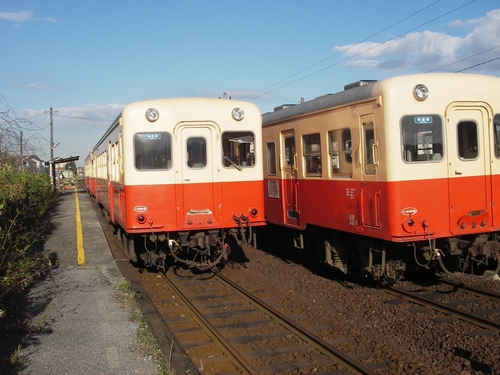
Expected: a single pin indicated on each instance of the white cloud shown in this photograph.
(17, 17)
(24, 16)
(430, 50)
(91, 115)
(75, 129)
(38, 86)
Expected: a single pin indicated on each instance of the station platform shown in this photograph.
(83, 328)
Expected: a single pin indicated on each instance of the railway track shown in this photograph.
(260, 341)
(477, 306)
(277, 350)
(182, 307)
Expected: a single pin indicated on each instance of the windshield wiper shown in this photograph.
(233, 163)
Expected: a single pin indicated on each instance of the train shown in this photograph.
(181, 176)
(389, 177)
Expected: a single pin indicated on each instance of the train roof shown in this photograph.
(366, 89)
(353, 92)
(178, 102)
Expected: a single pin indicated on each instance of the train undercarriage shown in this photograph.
(388, 262)
(201, 250)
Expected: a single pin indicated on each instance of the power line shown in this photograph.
(86, 118)
(338, 53)
(366, 50)
(467, 58)
(473, 66)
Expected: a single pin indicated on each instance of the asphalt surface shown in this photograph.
(84, 328)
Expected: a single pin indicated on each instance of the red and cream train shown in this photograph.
(379, 178)
(384, 175)
(181, 176)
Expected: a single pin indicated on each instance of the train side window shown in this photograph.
(238, 149)
(312, 154)
(340, 151)
(271, 158)
(467, 140)
(153, 150)
(422, 138)
(496, 136)
(196, 152)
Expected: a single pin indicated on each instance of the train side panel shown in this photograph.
(396, 172)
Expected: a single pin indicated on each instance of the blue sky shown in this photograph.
(87, 59)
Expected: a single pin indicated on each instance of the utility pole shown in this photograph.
(52, 165)
(21, 150)
(51, 135)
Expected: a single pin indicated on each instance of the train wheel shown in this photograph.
(129, 247)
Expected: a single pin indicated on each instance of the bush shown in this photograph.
(24, 200)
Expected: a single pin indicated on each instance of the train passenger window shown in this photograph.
(422, 138)
(271, 158)
(196, 152)
(496, 137)
(340, 151)
(467, 140)
(153, 150)
(238, 149)
(312, 154)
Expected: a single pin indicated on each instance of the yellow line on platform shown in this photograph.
(79, 234)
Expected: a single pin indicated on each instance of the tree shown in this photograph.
(11, 128)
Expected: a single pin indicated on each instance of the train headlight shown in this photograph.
(421, 92)
(238, 114)
(152, 114)
(254, 212)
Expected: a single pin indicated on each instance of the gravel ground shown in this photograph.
(411, 343)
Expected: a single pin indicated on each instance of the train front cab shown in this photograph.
(192, 179)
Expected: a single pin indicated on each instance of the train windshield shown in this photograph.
(422, 138)
(153, 150)
(238, 149)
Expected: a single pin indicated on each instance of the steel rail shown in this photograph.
(321, 345)
(232, 354)
(470, 288)
(448, 310)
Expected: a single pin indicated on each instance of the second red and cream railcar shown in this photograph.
(181, 176)
(384, 174)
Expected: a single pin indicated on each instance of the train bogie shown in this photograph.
(180, 176)
(400, 172)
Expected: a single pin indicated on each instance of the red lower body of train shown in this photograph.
(195, 223)
(379, 228)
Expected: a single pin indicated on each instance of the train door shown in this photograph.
(289, 179)
(469, 162)
(197, 177)
(370, 193)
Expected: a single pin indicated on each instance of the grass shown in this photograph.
(41, 322)
(16, 359)
(145, 338)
